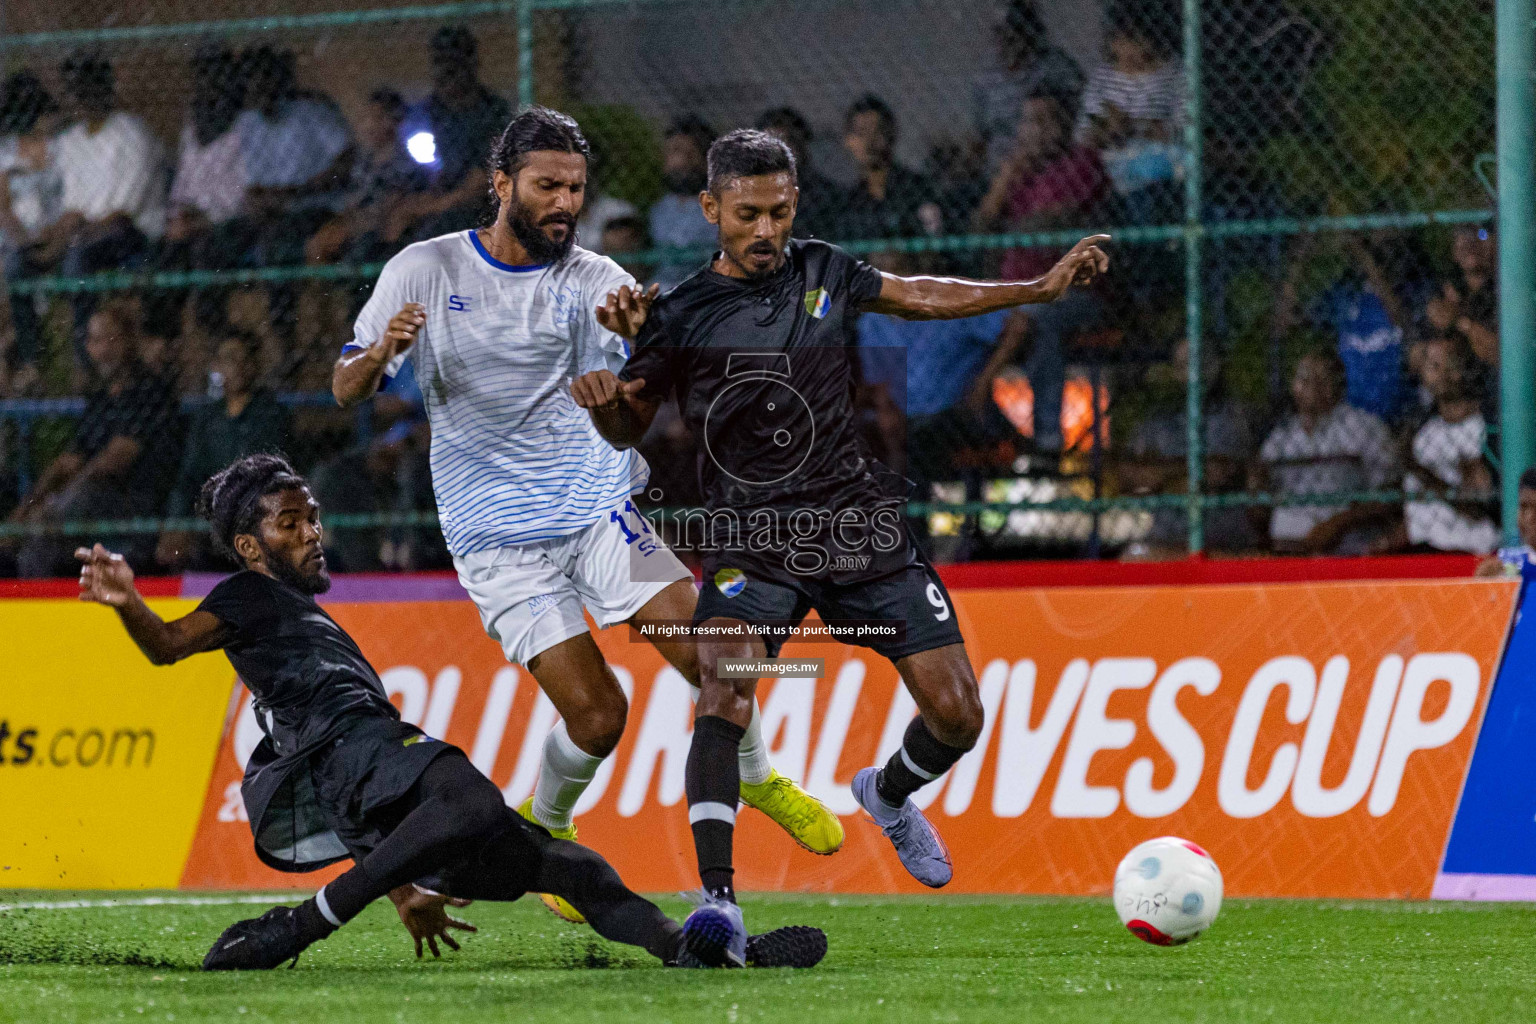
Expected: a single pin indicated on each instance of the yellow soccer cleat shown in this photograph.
(561, 908)
(805, 818)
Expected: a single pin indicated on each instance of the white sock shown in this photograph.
(564, 774)
(752, 756)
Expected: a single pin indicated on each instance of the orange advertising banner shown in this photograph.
(1312, 736)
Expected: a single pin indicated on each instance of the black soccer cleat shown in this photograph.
(258, 944)
(798, 945)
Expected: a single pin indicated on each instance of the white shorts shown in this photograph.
(530, 596)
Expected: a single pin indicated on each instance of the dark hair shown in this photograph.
(695, 128)
(1146, 22)
(787, 118)
(1062, 101)
(231, 499)
(1528, 479)
(269, 65)
(249, 342)
(531, 130)
(88, 76)
(628, 222)
(1460, 349)
(1330, 358)
(23, 101)
(392, 102)
(869, 103)
(747, 153)
(1023, 19)
(454, 41)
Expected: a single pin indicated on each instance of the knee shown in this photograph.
(726, 698)
(478, 811)
(598, 724)
(956, 717)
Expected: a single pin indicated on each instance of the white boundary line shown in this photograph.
(141, 901)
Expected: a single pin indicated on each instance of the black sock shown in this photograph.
(594, 888)
(346, 897)
(713, 784)
(920, 759)
(312, 923)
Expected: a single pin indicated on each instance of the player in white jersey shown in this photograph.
(534, 504)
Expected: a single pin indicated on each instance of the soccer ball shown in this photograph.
(1167, 891)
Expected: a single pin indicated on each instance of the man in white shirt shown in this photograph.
(208, 191)
(1325, 447)
(1448, 458)
(113, 178)
(534, 504)
(30, 195)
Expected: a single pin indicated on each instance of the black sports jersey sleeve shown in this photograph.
(243, 602)
(860, 281)
(653, 361)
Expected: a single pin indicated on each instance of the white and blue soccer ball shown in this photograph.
(1167, 891)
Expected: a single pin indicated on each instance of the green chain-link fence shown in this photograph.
(1299, 340)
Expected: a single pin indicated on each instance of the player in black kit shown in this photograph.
(338, 774)
(754, 347)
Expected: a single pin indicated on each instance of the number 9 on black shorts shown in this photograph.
(898, 614)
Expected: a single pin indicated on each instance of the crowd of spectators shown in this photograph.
(1392, 360)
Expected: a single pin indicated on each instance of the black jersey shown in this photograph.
(303, 670)
(310, 684)
(762, 372)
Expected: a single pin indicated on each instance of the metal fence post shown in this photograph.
(525, 53)
(1193, 297)
(1517, 247)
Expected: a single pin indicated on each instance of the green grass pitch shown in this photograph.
(891, 959)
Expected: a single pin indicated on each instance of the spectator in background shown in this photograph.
(1326, 446)
(296, 149)
(1132, 114)
(245, 418)
(889, 200)
(938, 374)
(599, 208)
(1047, 182)
(676, 218)
(623, 236)
(1447, 456)
(818, 193)
(1156, 459)
(1029, 65)
(1467, 305)
(208, 191)
(382, 175)
(30, 202)
(464, 118)
(117, 464)
(1367, 311)
(113, 187)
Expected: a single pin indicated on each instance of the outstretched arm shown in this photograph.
(106, 579)
(949, 298)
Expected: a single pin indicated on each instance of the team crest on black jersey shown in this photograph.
(817, 302)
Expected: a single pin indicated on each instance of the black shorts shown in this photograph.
(911, 601)
(371, 766)
(368, 783)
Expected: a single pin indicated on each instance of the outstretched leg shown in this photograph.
(949, 720)
(452, 808)
(591, 885)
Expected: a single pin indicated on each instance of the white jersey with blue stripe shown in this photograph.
(514, 459)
